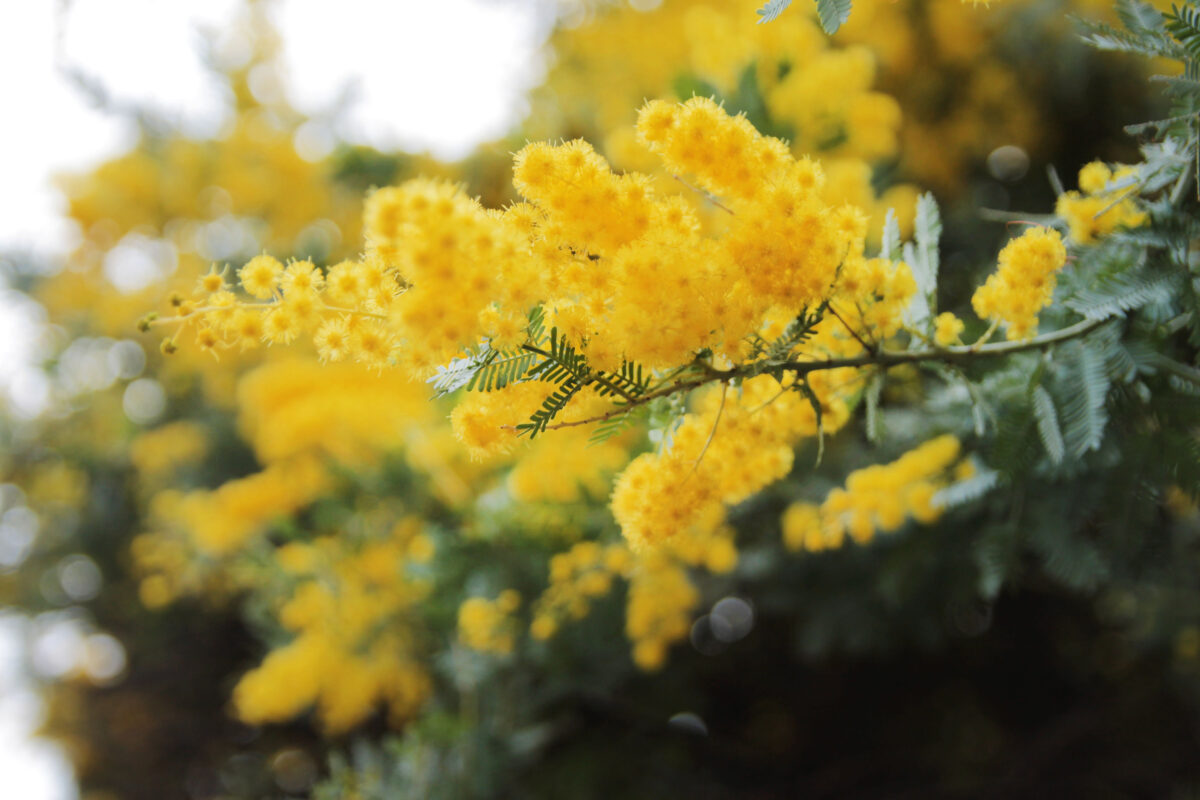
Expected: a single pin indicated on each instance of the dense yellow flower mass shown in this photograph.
(300, 418)
(488, 625)
(1023, 283)
(945, 63)
(661, 595)
(625, 275)
(876, 499)
(606, 255)
(156, 453)
(1096, 210)
(355, 644)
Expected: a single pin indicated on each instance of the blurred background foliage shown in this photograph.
(170, 524)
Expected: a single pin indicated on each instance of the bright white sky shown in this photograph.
(440, 75)
(428, 74)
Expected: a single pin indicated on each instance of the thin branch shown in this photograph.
(949, 354)
(711, 434)
(854, 333)
(709, 196)
(886, 358)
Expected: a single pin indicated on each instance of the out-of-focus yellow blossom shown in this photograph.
(876, 498)
(1180, 504)
(823, 94)
(156, 453)
(351, 611)
(1096, 210)
(488, 625)
(341, 410)
(661, 596)
(1023, 283)
(56, 484)
(564, 468)
(661, 600)
(947, 328)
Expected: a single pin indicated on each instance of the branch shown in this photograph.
(949, 355)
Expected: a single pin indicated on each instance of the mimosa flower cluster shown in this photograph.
(625, 275)
(1023, 283)
(355, 646)
(877, 499)
(488, 625)
(1097, 210)
(661, 596)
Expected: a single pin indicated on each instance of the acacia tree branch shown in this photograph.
(885, 359)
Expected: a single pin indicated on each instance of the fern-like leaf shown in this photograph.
(630, 381)
(798, 331)
(613, 426)
(963, 492)
(922, 259)
(1116, 295)
(550, 409)
(1184, 25)
(560, 363)
(1047, 424)
(1106, 37)
(455, 375)
(508, 366)
(772, 10)
(833, 14)
(1084, 414)
(889, 247)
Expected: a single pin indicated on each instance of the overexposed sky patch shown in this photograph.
(438, 76)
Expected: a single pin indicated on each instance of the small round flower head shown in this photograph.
(260, 276)
(207, 340)
(333, 340)
(301, 277)
(947, 329)
(281, 325)
(345, 284)
(246, 326)
(212, 281)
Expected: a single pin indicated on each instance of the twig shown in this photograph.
(711, 434)
(706, 195)
(846, 325)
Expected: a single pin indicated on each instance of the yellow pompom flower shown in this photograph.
(947, 328)
(260, 276)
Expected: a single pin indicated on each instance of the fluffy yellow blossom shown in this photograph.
(487, 625)
(659, 612)
(292, 407)
(1023, 283)
(486, 421)
(260, 276)
(947, 329)
(1097, 211)
(577, 576)
(156, 452)
(563, 468)
(350, 605)
(875, 498)
(735, 443)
